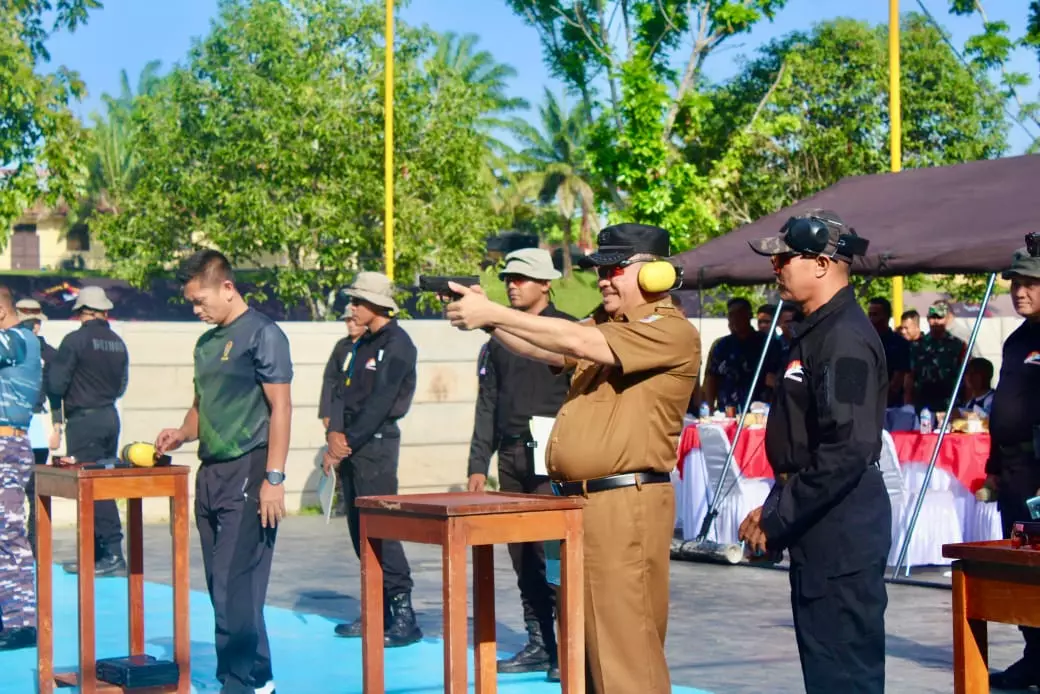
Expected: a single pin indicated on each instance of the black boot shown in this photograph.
(108, 562)
(17, 638)
(534, 657)
(353, 630)
(403, 629)
(1021, 675)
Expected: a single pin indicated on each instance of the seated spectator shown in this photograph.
(978, 385)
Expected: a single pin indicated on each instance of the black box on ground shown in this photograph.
(135, 671)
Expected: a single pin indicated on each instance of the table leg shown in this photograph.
(181, 585)
(484, 618)
(44, 595)
(371, 611)
(453, 556)
(970, 669)
(135, 550)
(85, 580)
(572, 609)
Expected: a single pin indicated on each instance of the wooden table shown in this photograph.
(992, 582)
(481, 520)
(86, 487)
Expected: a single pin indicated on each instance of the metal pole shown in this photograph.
(895, 119)
(943, 427)
(388, 143)
(713, 507)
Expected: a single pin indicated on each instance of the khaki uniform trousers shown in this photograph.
(628, 535)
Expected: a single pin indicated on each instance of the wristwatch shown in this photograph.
(275, 476)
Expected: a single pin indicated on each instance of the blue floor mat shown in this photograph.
(307, 657)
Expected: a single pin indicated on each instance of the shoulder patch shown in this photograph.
(651, 318)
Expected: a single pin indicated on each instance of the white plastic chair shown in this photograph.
(740, 494)
(939, 522)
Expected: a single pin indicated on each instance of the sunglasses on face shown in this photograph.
(609, 272)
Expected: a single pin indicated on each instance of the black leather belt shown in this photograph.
(603, 484)
(1025, 448)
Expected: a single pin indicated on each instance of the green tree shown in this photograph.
(554, 160)
(41, 141)
(992, 48)
(813, 120)
(268, 144)
(632, 48)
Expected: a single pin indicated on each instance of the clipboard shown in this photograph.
(541, 432)
(327, 493)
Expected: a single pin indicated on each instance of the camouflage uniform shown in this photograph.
(17, 589)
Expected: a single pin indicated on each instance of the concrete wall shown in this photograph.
(435, 434)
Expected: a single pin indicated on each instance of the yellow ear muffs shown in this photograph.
(140, 454)
(659, 276)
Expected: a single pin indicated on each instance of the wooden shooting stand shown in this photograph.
(86, 487)
(456, 521)
(992, 582)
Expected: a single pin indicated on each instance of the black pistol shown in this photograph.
(439, 284)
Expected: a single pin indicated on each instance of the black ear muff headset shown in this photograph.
(811, 236)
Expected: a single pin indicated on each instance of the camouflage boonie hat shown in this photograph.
(1023, 265)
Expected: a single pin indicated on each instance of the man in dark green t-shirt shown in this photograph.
(240, 417)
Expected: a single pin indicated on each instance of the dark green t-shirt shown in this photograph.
(232, 362)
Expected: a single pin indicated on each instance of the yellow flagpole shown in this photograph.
(895, 114)
(388, 144)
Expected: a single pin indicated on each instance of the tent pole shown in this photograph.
(388, 144)
(713, 507)
(943, 427)
(895, 112)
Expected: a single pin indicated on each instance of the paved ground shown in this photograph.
(730, 630)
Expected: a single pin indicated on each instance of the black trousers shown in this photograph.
(1020, 482)
(839, 623)
(91, 435)
(537, 596)
(372, 471)
(236, 555)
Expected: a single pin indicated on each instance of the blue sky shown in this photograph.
(127, 34)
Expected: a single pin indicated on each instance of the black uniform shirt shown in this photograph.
(512, 390)
(335, 375)
(381, 387)
(1016, 409)
(91, 368)
(824, 430)
(48, 354)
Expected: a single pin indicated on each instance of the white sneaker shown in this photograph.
(267, 688)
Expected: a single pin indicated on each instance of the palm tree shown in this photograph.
(458, 55)
(554, 163)
(112, 161)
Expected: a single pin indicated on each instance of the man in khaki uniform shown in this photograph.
(635, 364)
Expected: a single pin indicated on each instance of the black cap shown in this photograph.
(622, 241)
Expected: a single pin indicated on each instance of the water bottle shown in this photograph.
(926, 421)
(705, 411)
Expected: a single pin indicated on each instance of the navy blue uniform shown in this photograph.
(829, 506)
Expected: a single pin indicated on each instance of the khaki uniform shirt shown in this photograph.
(628, 418)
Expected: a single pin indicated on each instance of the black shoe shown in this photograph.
(533, 658)
(17, 638)
(108, 565)
(1021, 675)
(403, 629)
(349, 631)
(554, 674)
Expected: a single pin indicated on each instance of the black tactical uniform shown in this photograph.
(89, 374)
(1014, 429)
(379, 393)
(332, 383)
(829, 506)
(512, 390)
